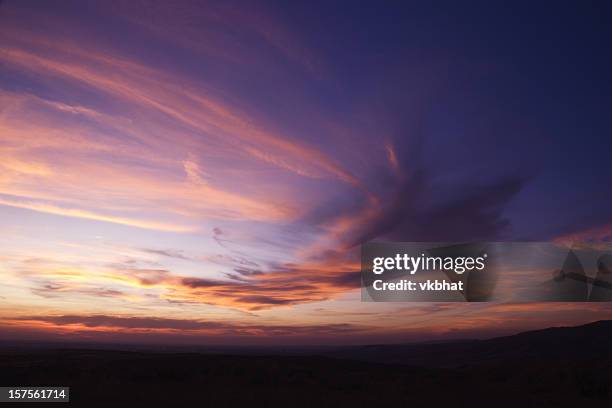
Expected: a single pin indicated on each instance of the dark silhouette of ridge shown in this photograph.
(555, 367)
(575, 343)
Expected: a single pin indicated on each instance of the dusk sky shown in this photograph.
(205, 172)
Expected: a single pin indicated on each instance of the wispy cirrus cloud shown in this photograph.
(202, 159)
(158, 112)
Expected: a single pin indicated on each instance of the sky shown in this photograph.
(205, 172)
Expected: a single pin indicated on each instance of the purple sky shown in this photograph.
(206, 171)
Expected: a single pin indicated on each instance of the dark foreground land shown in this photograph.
(565, 367)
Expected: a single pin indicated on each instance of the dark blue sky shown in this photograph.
(500, 87)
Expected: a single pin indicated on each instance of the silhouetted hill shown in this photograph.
(591, 340)
(561, 367)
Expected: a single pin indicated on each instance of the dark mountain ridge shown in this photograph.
(592, 340)
(556, 367)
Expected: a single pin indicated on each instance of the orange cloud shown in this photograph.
(196, 108)
(202, 124)
(602, 234)
(72, 212)
(82, 326)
